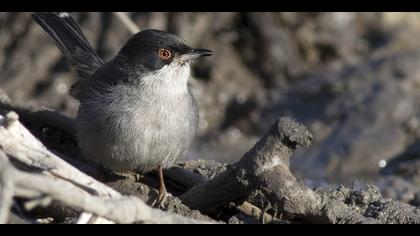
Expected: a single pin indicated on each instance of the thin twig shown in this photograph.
(124, 209)
(127, 22)
(251, 210)
(6, 195)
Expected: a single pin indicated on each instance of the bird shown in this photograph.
(136, 111)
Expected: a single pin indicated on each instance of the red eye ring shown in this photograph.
(164, 54)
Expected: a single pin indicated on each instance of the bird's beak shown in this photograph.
(197, 53)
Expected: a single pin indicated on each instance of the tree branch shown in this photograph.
(127, 22)
(265, 170)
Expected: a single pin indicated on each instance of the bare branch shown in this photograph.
(18, 142)
(127, 22)
(266, 162)
(6, 194)
(124, 209)
(250, 210)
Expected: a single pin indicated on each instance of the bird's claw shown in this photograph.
(160, 201)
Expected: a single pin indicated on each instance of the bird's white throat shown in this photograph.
(171, 79)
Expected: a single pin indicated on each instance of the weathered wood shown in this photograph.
(265, 170)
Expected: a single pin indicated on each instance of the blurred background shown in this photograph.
(352, 78)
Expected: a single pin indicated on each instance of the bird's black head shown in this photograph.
(153, 49)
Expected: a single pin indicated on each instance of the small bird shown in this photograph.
(136, 111)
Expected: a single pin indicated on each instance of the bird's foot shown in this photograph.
(163, 194)
(161, 199)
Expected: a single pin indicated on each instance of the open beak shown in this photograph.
(197, 53)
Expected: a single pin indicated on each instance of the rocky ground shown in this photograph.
(350, 78)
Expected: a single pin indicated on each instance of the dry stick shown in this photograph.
(266, 168)
(256, 169)
(185, 177)
(37, 114)
(18, 142)
(3, 96)
(54, 166)
(6, 194)
(190, 179)
(127, 22)
(124, 209)
(250, 210)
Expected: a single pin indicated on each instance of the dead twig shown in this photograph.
(123, 209)
(265, 168)
(251, 210)
(190, 179)
(6, 194)
(127, 22)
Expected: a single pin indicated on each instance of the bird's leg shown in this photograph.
(163, 194)
(162, 188)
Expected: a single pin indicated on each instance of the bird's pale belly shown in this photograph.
(138, 141)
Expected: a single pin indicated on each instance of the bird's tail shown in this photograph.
(69, 38)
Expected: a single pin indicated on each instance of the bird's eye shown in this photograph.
(164, 54)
